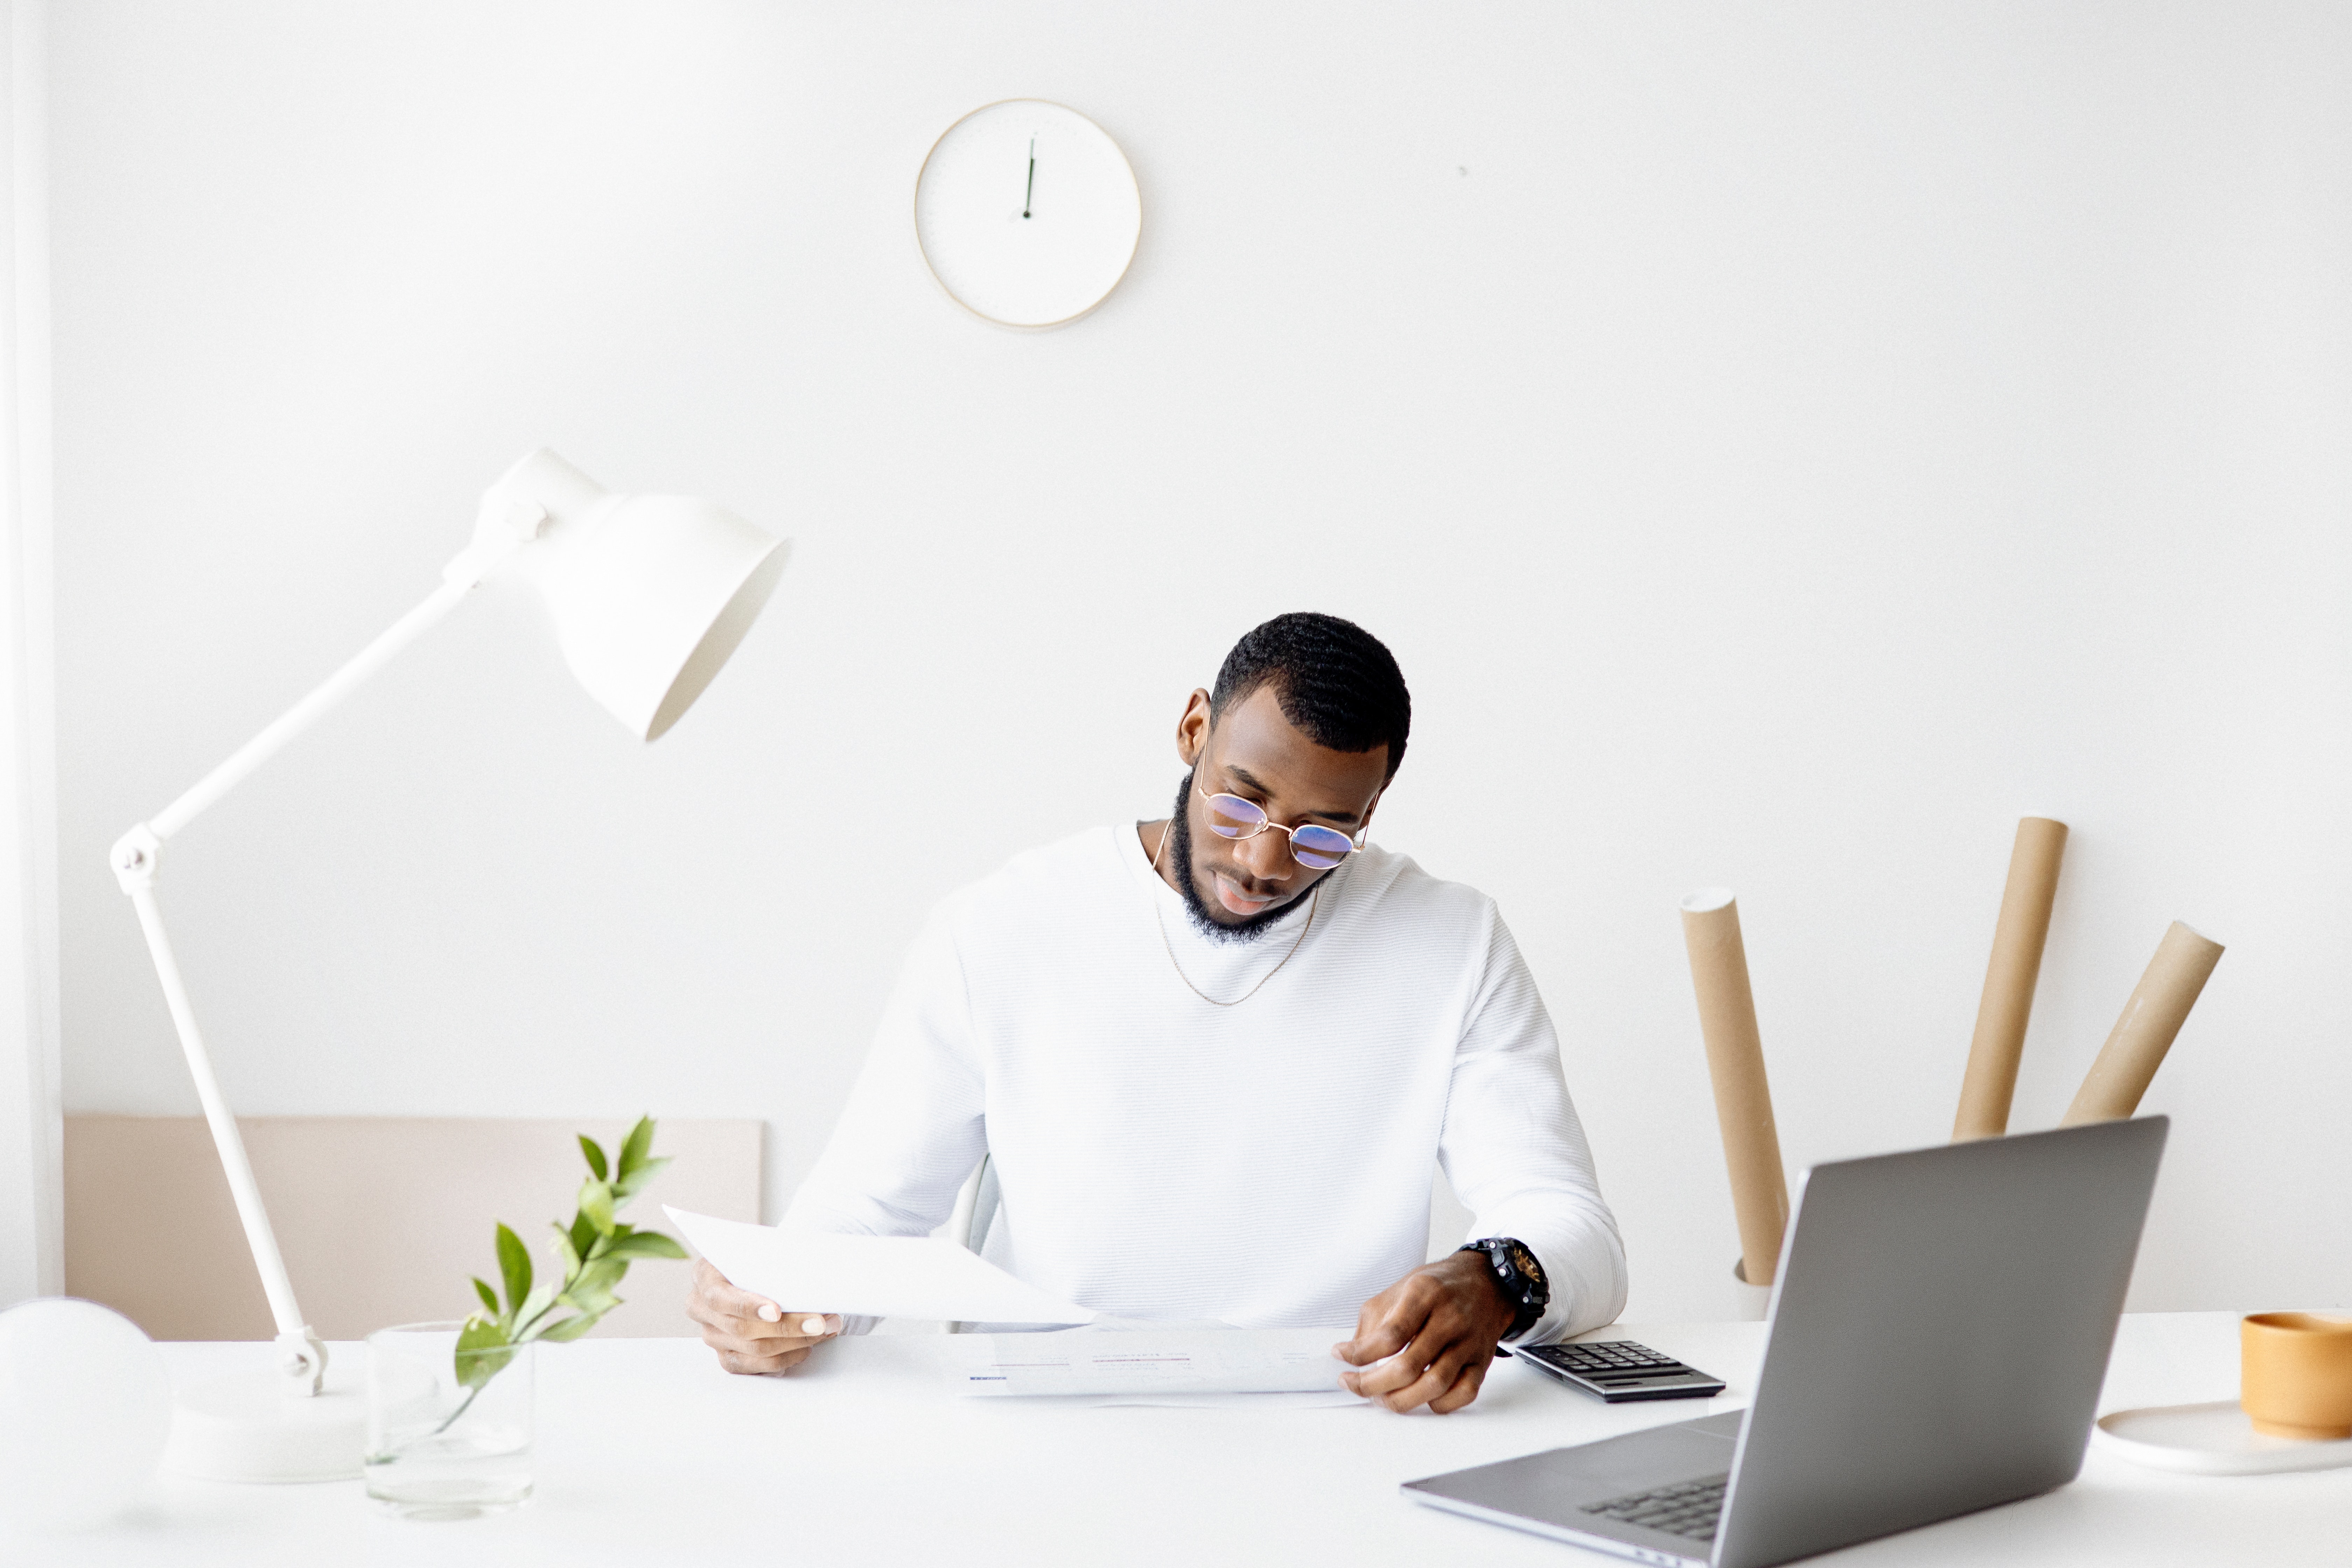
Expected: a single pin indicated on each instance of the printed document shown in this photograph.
(870, 1276)
(1146, 1359)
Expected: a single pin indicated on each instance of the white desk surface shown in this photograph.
(650, 1453)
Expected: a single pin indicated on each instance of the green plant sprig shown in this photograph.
(596, 1250)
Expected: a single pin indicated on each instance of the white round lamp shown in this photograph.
(649, 595)
(85, 1404)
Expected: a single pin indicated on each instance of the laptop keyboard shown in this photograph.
(1688, 1510)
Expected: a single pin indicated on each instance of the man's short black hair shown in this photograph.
(1335, 680)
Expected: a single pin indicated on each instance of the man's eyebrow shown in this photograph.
(1245, 777)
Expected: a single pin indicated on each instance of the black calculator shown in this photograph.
(1620, 1370)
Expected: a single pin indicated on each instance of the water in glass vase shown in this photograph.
(449, 1434)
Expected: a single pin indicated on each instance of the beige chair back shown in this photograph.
(382, 1219)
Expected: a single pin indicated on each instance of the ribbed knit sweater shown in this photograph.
(1266, 1164)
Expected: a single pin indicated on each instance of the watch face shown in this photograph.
(1525, 1262)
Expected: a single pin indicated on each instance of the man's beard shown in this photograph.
(1180, 846)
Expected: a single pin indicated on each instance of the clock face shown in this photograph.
(1027, 213)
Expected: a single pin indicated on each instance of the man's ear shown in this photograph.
(1193, 729)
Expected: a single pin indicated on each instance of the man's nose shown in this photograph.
(1267, 856)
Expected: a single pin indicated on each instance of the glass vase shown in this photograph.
(449, 1432)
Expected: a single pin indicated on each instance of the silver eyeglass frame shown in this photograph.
(1355, 844)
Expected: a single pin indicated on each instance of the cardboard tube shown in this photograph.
(1735, 1060)
(2008, 1001)
(2158, 1006)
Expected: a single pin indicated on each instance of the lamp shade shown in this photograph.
(650, 594)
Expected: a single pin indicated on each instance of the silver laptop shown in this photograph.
(1938, 1335)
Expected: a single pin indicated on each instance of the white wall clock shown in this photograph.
(1027, 214)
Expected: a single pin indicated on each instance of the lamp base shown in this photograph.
(249, 1428)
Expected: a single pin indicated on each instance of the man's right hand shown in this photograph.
(752, 1334)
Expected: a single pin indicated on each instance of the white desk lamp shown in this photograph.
(650, 594)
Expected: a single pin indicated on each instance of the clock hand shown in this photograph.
(1031, 191)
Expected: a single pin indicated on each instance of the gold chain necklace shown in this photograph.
(1313, 900)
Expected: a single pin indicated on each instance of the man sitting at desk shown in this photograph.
(1213, 1059)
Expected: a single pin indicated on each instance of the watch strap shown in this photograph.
(1520, 1278)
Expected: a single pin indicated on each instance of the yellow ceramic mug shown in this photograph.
(2296, 1374)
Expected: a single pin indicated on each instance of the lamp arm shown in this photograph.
(303, 1357)
(246, 759)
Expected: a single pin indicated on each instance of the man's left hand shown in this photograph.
(1435, 1332)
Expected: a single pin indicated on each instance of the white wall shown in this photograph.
(1782, 444)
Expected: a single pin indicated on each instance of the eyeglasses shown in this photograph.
(1315, 847)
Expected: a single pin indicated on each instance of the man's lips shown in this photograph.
(1236, 901)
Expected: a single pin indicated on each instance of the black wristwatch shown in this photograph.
(1520, 1276)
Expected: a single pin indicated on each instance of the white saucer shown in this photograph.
(2212, 1440)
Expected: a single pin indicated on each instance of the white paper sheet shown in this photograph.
(870, 1276)
(1146, 1361)
(1329, 1399)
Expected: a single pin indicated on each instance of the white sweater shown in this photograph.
(1266, 1164)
